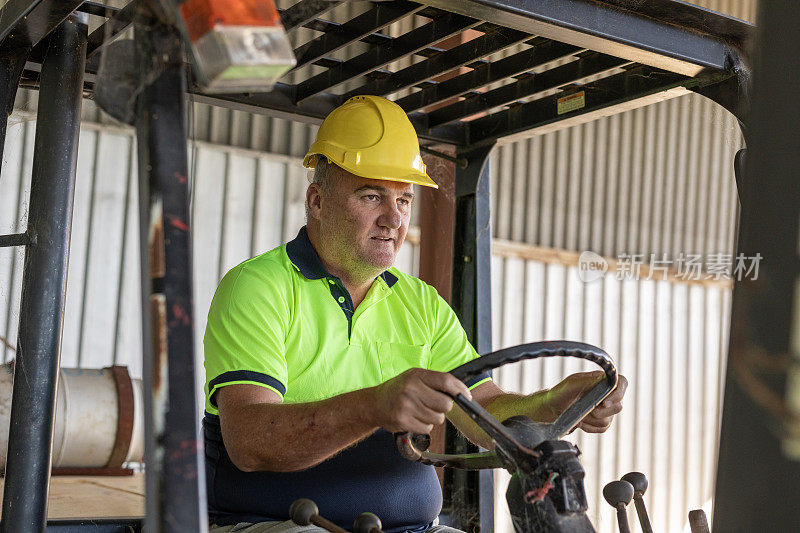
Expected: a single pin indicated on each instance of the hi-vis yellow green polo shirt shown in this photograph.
(281, 321)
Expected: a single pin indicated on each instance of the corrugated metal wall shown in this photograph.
(669, 339)
(657, 179)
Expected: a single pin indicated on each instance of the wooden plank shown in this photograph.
(95, 496)
(508, 249)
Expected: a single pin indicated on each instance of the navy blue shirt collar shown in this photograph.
(303, 255)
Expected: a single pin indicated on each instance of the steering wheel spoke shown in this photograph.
(516, 438)
(467, 461)
(573, 415)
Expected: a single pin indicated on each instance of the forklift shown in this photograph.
(621, 54)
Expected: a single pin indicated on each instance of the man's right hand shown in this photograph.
(415, 401)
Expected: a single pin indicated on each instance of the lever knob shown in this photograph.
(366, 523)
(302, 510)
(618, 492)
(638, 480)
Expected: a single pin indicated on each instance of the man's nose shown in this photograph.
(391, 216)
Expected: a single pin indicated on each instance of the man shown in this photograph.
(317, 351)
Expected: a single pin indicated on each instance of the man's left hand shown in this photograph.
(573, 387)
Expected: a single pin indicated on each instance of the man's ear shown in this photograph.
(314, 200)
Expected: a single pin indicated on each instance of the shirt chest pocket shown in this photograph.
(395, 357)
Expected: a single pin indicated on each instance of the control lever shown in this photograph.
(698, 521)
(619, 494)
(304, 512)
(367, 523)
(639, 482)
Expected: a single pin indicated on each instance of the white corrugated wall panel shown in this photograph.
(668, 338)
(102, 322)
(657, 179)
(14, 184)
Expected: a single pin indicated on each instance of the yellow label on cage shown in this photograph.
(570, 103)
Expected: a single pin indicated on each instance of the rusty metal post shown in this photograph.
(437, 220)
(437, 209)
(470, 494)
(176, 496)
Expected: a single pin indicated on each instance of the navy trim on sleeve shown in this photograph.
(245, 375)
(480, 377)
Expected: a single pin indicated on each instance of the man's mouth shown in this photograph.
(383, 239)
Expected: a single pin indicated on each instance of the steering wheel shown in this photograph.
(517, 438)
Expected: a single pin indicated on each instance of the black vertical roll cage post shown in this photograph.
(609, 55)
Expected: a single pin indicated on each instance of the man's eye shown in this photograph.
(372, 197)
(404, 202)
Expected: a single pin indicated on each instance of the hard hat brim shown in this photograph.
(422, 178)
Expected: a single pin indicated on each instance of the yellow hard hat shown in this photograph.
(371, 137)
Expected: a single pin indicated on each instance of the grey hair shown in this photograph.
(325, 174)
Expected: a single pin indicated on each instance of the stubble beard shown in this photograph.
(353, 258)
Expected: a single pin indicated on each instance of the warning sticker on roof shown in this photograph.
(570, 103)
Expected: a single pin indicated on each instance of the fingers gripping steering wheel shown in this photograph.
(515, 439)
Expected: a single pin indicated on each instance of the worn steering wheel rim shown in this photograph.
(512, 450)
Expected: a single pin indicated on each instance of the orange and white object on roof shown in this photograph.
(237, 45)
